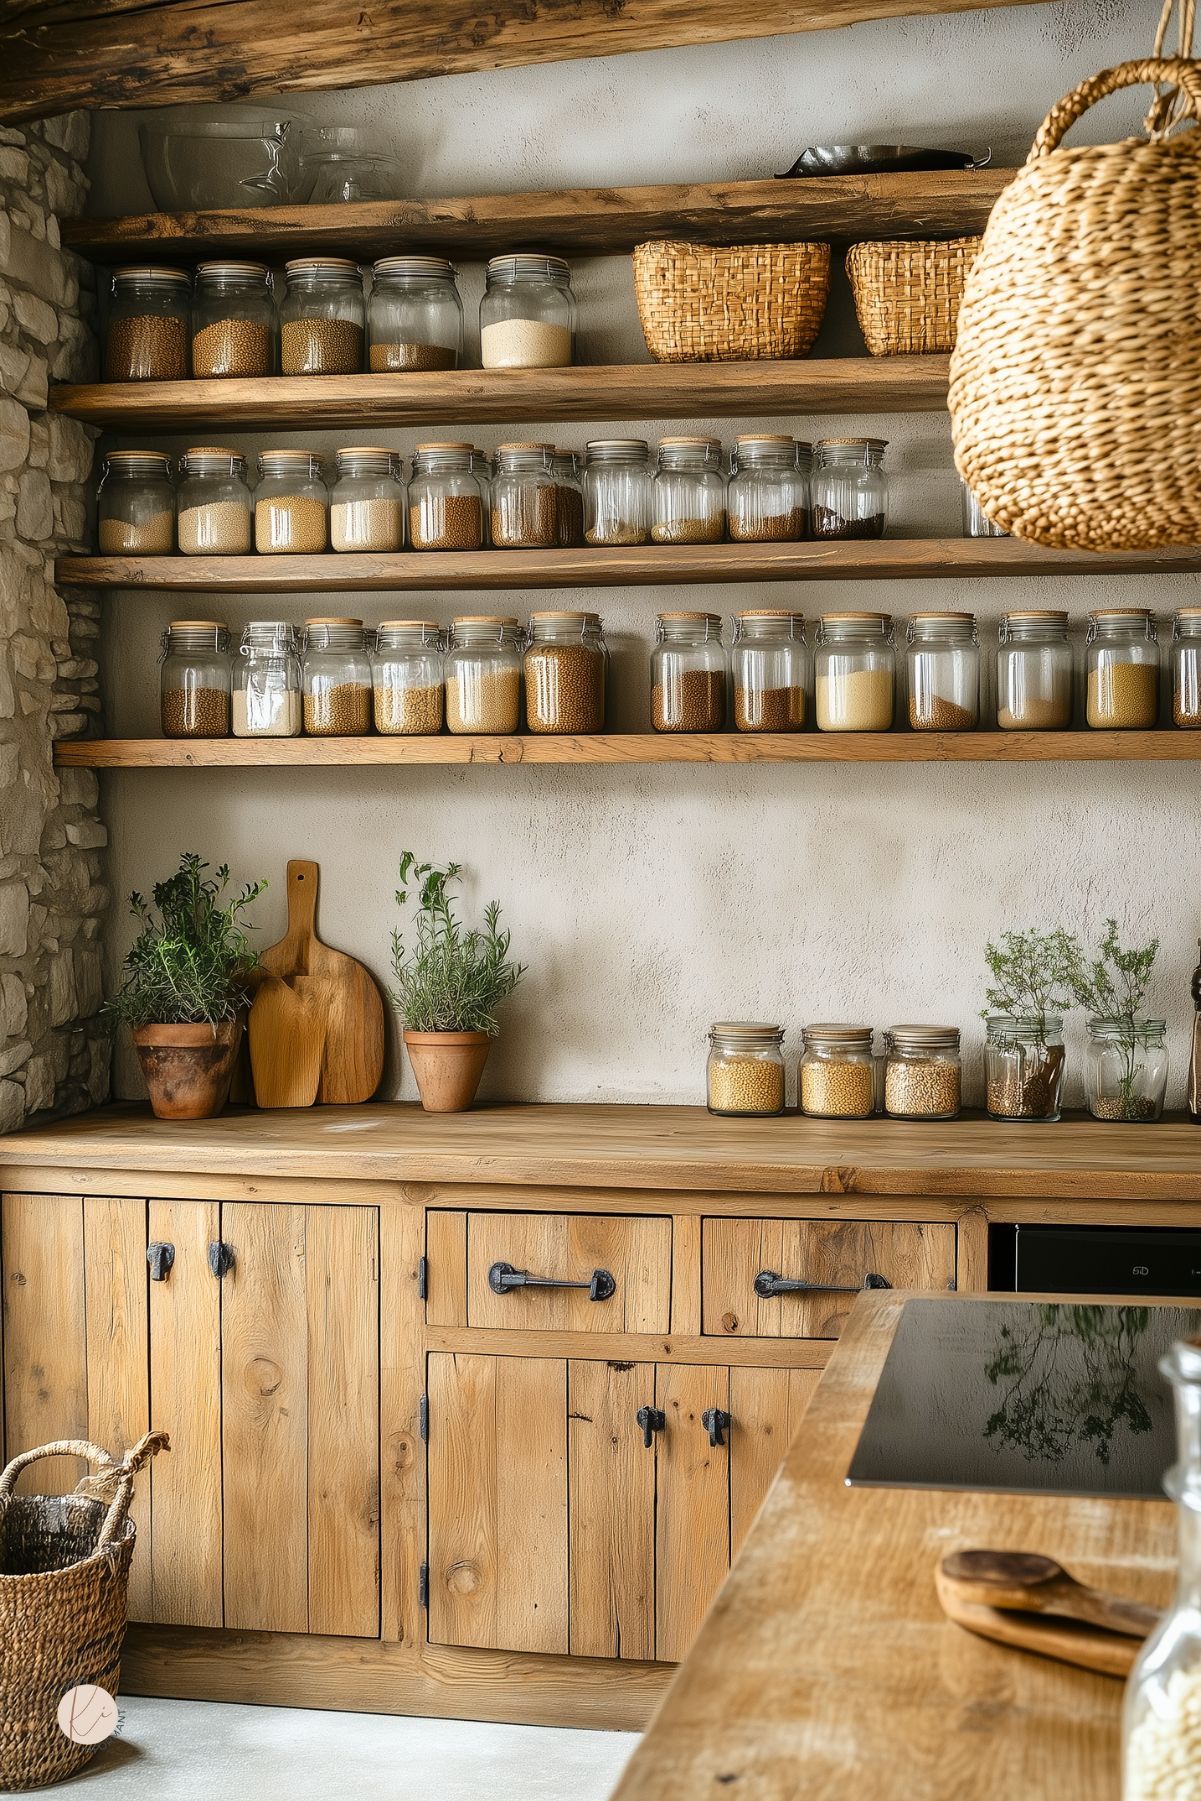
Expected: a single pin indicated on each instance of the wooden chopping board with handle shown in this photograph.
(339, 997)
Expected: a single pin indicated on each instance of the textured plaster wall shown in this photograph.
(649, 902)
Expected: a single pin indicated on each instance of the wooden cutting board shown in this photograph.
(338, 995)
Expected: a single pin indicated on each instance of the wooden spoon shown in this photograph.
(1022, 1582)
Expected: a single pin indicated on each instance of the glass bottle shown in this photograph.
(922, 1072)
(525, 502)
(855, 668)
(837, 1076)
(688, 673)
(1194, 1066)
(336, 679)
(744, 1073)
(291, 504)
(569, 499)
(1034, 672)
(976, 523)
(1126, 1070)
(483, 675)
(414, 315)
(406, 671)
(564, 667)
(944, 672)
(1024, 1066)
(367, 501)
(446, 508)
(767, 499)
(266, 681)
(769, 665)
(1123, 669)
(194, 679)
(617, 491)
(688, 492)
(135, 505)
(1186, 668)
(233, 321)
(146, 334)
(321, 317)
(849, 488)
(527, 314)
(212, 505)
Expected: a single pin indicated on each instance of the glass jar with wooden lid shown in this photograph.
(233, 321)
(446, 505)
(617, 492)
(849, 488)
(212, 503)
(564, 666)
(266, 681)
(921, 1072)
(1186, 668)
(1034, 671)
(744, 1074)
(367, 502)
(944, 672)
(767, 499)
(483, 674)
(291, 504)
(855, 670)
(194, 679)
(414, 316)
(135, 505)
(336, 679)
(688, 673)
(527, 314)
(147, 329)
(769, 666)
(321, 317)
(1123, 669)
(406, 671)
(688, 492)
(837, 1076)
(525, 501)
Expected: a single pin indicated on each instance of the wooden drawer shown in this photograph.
(830, 1254)
(632, 1254)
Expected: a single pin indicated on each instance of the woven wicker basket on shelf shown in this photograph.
(907, 295)
(703, 304)
(1075, 388)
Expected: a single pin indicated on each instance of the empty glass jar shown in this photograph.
(367, 502)
(527, 314)
(767, 500)
(1126, 1069)
(336, 679)
(483, 675)
(1123, 669)
(194, 679)
(944, 672)
(135, 505)
(525, 500)
(688, 492)
(617, 491)
(321, 317)
(291, 504)
(414, 316)
(744, 1074)
(446, 506)
(266, 682)
(233, 320)
(769, 665)
(212, 504)
(849, 488)
(407, 674)
(1186, 668)
(569, 499)
(1034, 672)
(147, 333)
(837, 1076)
(976, 523)
(1024, 1066)
(688, 673)
(564, 667)
(921, 1072)
(855, 668)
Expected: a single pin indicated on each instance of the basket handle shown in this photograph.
(112, 1482)
(1179, 71)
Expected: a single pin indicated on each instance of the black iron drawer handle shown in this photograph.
(716, 1423)
(160, 1257)
(652, 1420)
(502, 1277)
(767, 1283)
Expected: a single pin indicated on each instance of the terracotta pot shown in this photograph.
(448, 1067)
(188, 1069)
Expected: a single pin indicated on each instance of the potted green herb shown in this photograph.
(186, 988)
(1127, 1056)
(448, 986)
(1030, 991)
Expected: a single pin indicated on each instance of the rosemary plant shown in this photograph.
(453, 977)
(190, 964)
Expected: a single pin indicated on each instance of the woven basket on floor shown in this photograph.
(703, 304)
(1076, 381)
(64, 1573)
(907, 295)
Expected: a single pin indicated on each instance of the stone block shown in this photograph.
(14, 165)
(37, 317)
(79, 787)
(62, 989)
(89, 981)
(14, 1007)
(14, 919)
(87, 834)
(101, 1055)
(35, 505)
(31, 263)
(14, 434)
(39, 1084)
(13, 1055)
(69, 132)
(12, 1106)
(70, 450)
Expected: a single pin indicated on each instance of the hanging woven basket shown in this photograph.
(1076, 379)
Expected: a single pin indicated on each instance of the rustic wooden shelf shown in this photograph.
(633, 747)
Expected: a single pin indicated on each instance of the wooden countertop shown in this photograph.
(826, 1668)
(616, 1146)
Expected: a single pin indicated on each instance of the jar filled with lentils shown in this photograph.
(446, 507)
(855, 670)
(688, 673)
(1123, 669)
(321, 317)
(233, 320)
(414, 316)
(135, 505)
(525, 500)
(770, 668)
(367, 502)
(944, 672)
(767, 500)
(837, 1078)
(483, 675)
(147, 332)
(407, 674)
(291, 504)
(212, 504)
(617, 491)
(1034, 672)
(688, 492)
(564, 668)
(266, 681)
(569, 499)
(921, 1072)
(744, 1074)
(1186, 668)
(194, 679)
(849, 488)
(336, 679)
(527, 314)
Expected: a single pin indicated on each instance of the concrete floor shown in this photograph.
(202, 1751)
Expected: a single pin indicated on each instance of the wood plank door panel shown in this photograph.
(692, 1528)
(45, 1343)
(117, 1337)
(635, 1250)
(766, 1408)
(611, 1523)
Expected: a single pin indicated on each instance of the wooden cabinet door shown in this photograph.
(611, 1514)
(766, 1408)
(692, 1528)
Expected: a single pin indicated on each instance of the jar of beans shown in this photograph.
(233, 320)
(321, 317)
(1034, 672)
(855, 670)
(688, 673)
(147, 333)
(744, 1074)
(266, 681)
(770, 668)
(944, 672)
(212, 504)
(767, 500)
(1186, 668)
(414, 316)
(837, 1077)
(849, 488)
(194, 679)
(525, 502)
(446, 507)
(483, 675)
(569, 499)
(527, 314)
(407, 673)
(688, 492)
(291, 504)
(367, 503)
(1123, 669)
(617, 491)
(135, 505)
(921, 1072)
(564, 669)
(1024, 1064)
(336, 679)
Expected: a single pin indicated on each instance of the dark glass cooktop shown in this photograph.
(1019, 1395)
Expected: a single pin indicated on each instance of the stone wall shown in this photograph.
(53, 1051)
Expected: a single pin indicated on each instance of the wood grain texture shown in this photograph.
(692, 1523)
(611, 1527)
(402, 1381)
(767, 1407)
(117, 1333)
(812, 1353)
(45, 1345)
(446, 1276)
(636, 1253)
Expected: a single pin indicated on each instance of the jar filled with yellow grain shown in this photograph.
(407, 677)
(414, 316)
(855, 672)
(922, 1072)
(212, 504)
(336, 683)
(564, 667)
(744, 1074)
(688, 492)
(233, 321)
(837, 1076)
(944, 672)
(367, 502)
(147, 330)
(1123, 669)
(767, 501)
(194, 679)
(291, 504)
(617, 492)
(688, 673)
(769, 665)
(446, 502)
(135, 505)
(525, 501)
(321, 317)
(1034, 671)
(1186, 668)
(483, 675)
